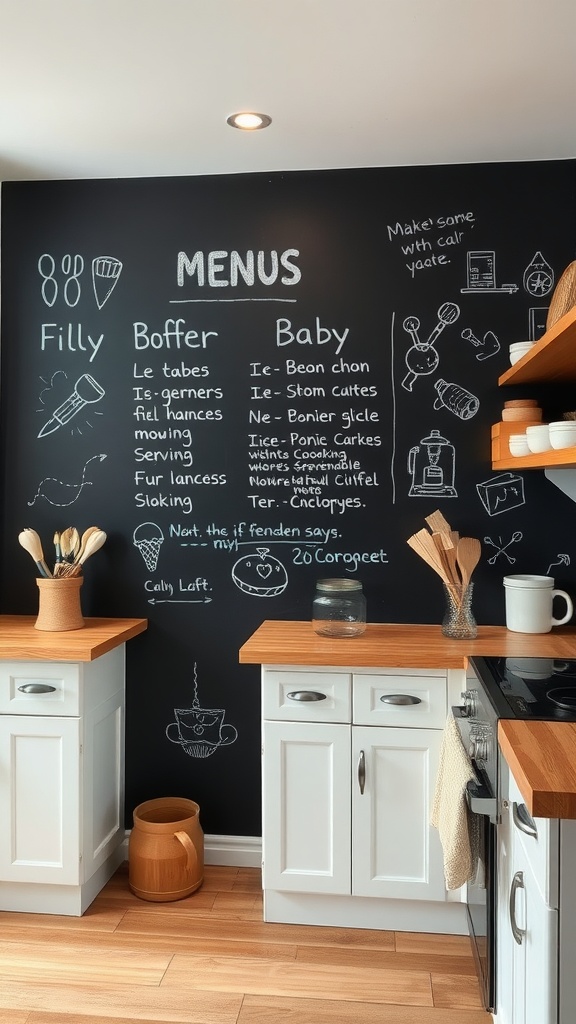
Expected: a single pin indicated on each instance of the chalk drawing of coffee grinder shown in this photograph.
(431, 464)
(200, 731)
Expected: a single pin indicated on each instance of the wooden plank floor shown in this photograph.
(210, 959)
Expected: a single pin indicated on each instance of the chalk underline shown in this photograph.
(180, 301)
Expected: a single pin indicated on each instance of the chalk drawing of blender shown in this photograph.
(422, 358)
(431, 464)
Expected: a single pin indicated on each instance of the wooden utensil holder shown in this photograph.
(59, 607)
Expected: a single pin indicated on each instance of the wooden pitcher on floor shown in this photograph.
(166, 850)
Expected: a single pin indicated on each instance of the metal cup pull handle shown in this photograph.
(36, 688)
(306, 695)
(400, 698)
(362, 772)
(517, 883)
(523, 820)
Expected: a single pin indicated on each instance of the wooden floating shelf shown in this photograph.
(566, 458)
(502, 459)
(551, 359)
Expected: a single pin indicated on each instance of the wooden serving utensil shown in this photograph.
(69, 542)
(31, 543)
(424, 546)
(94, 540)
(468, 555)
(438, 523)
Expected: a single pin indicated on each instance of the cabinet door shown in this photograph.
(395, 852)
(39, 804)
(306, 807)
(535, 957)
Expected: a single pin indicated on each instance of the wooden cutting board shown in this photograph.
(563, 296)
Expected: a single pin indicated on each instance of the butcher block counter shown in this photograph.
(19, 640)
(541, 755)
(396, 645)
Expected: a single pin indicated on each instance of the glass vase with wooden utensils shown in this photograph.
(454, 559)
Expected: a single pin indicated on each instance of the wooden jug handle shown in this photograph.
(188, 845)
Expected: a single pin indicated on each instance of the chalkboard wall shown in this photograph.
(254, 381)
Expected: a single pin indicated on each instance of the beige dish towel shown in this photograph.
(457, 827)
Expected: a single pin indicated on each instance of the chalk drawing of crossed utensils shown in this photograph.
(502, 549)
(422, 358)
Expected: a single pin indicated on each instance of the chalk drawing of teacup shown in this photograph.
(200, 731)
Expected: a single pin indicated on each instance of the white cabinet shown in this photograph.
(61, 781)
(527, 915)
(350, 760)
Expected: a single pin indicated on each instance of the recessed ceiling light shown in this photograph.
(248, 121)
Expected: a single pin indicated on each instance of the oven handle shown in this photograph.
(481, 801)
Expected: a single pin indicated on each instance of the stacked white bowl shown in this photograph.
(538, 438)
(562, 433)
(518, 444)
(519, 349)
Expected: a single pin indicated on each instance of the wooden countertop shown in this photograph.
(542, 758)
(398, 645)
(19, 640)
(541, 755)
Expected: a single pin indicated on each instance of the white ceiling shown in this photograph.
(92, 88)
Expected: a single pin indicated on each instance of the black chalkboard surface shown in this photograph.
(254, 381)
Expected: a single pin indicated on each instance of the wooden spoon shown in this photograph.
(69, 542)
(94, 541)
(468, 555)
(31, 543)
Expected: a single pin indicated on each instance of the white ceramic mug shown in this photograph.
(529, 604)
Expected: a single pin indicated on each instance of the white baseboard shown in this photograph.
(232, 851)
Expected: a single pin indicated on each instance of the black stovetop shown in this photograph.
(537, 688)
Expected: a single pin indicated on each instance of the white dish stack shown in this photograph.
(562, 433)
(519, 349)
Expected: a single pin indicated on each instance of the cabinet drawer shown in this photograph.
(306, 696)
(400, 698)
(539, 840)
(39, 688)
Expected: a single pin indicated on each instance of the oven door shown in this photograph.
(481, 798)
(481, 892)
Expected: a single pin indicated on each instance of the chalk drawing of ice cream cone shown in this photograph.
(148, 538)
(105, 273)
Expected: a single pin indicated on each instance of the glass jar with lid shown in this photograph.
(339, 608)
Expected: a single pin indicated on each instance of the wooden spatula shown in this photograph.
(438, 523)
(468, 555)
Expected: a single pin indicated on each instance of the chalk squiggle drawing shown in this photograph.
(54, 491)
